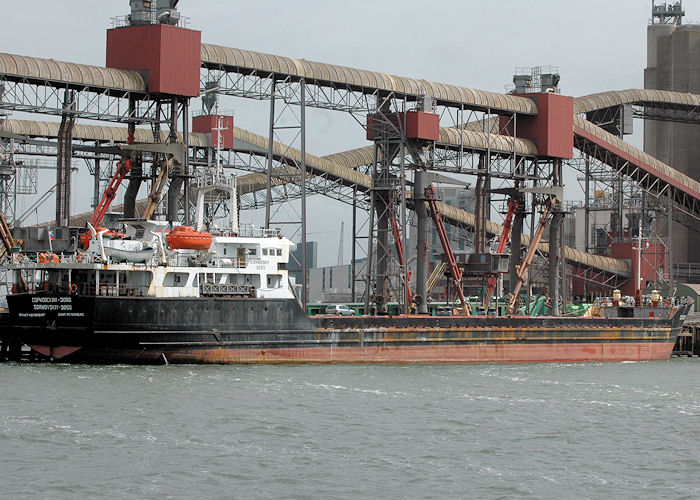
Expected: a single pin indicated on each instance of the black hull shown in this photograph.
(222, 330)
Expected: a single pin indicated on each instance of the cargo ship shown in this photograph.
(158, 295)
(151, 291)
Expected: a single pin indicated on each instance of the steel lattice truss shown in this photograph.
(259, 85)
(502, 166)
(285, 177)
(610, 118)
(667, 112)
(93, 103)
(604, 178)
(285, 182)
(597, 276)
(687, 208)
(254, 84)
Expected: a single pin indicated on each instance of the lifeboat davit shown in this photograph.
(185, 237)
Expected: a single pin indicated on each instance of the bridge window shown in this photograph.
(175, 279)
(274, 281)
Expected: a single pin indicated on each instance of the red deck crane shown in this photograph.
(123, 168)
(456, 274)
(505, 236)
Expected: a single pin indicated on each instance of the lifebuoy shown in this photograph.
(20, 257)
(73, 288)
(80, 257)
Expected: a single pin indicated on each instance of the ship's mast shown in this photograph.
(638, 248)
(215, 187)
(219, 138)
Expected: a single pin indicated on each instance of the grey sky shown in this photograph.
(597, 45)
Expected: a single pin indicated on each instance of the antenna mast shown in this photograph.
(340, 245)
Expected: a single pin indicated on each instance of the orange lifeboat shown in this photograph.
(185, 237)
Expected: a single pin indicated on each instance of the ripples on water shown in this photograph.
(622, 430)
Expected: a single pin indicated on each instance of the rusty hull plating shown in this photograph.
(230, 330)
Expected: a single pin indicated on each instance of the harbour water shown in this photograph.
(615, 430)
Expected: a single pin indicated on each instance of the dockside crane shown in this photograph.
(455, 273)
(435, 276)
(156, 193)
(531, 249)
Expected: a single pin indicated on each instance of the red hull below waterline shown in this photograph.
(584, 352)
(642, 351)
(57, 352)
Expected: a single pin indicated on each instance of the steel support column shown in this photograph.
(587, 205)
(132, 189)
(270, 142)
(186, 163)
(135, 175)
(554, 262)
(353, 270)
(480, 208)
(669, 225)
(421, 297)
(64, 161)
(177, 178)
(388, 144)
(370, 240)
(96, 184)
(382, 203)
(304, 268)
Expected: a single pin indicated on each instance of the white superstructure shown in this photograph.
(239, 262)
(250, 265)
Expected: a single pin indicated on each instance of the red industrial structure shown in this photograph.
(414, 124)
(217, 126)
(168, 57)
(555, 114)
